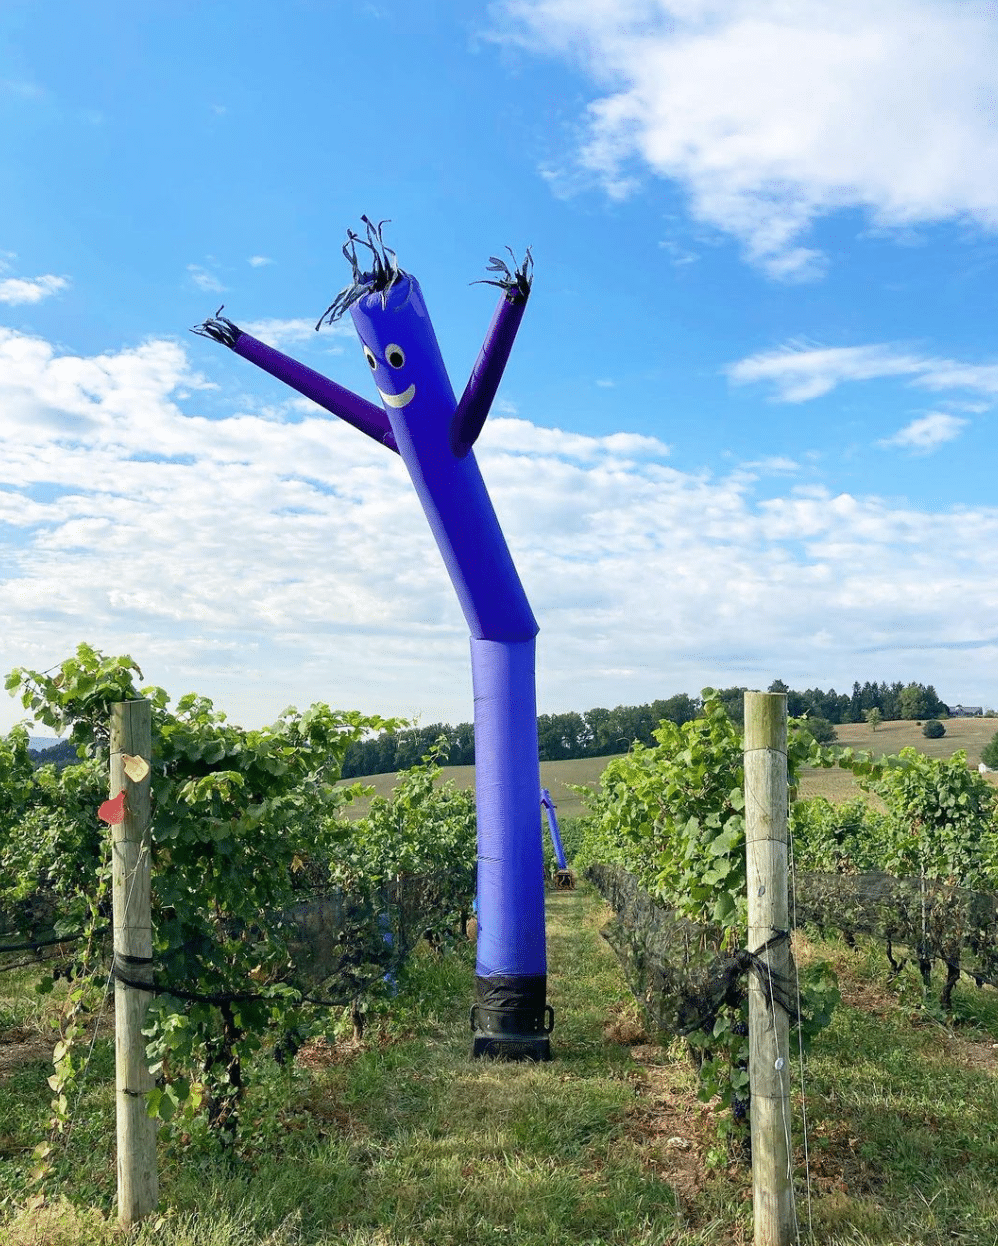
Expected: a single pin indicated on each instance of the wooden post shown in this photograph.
(766, 810)
(131, 745)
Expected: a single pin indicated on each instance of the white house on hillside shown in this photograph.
(965, 711)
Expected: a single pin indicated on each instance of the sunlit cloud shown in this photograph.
(22, 89)
(800, 372)
(277, 332)
(771, 115)
(205, 280)
(927, 433)
(278, 557)
(15, 290)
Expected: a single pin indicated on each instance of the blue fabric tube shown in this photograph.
(337, 400)
(402, 351)
(507, 779)
(559, 851)
(433, 433)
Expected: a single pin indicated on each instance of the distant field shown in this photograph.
(970, 734)
(555, 775)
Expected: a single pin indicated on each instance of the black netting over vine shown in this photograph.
(936, 922)
(675, 967)
(331, 947)
(328, 948)
(677, 970)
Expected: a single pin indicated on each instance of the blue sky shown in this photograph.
(747, 428)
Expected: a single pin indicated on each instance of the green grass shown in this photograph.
(407, 1142)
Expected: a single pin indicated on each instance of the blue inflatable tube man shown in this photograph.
(433, 432)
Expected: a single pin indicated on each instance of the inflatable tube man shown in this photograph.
(434, 433)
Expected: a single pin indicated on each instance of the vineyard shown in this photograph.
(312, 964)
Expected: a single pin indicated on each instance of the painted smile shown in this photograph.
(399, 400)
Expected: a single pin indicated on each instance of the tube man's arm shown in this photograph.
(476, 400)
(547, 804)
(334, 398)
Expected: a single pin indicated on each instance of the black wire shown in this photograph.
(37, 944)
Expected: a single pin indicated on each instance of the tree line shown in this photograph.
(603, 732)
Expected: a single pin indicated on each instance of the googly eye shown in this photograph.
(369, 356)
(395, 355)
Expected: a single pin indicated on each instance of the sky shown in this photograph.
(746, 431)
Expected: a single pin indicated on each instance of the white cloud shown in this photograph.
(771, 114)
(679, 256)
(14, 290)
(205, 280)
(259, 261)
(927, 433)
(799, 373)
(517, 436)
(267, 559)
(281, 333)
(23, 89)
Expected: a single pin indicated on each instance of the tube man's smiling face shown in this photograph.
(402, 352)
(394, 360)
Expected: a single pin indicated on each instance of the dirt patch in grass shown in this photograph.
(675, 1129)
(980, 1057)
(834, 1162)
(672, 1129)
(21, 1046)
(320, 1053)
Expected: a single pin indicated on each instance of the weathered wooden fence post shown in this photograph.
(131, 749)
(766, 810)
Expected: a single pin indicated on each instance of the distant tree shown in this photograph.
(989, 753)
(938, 709)
(628, 723)
(933, 729)
(830, 705)
(59, 755)
(777, 686)
(890, 700)
(678, 709)
(914, 702)
(873, 717)
(597, 722)
(733, 700)
(819, 729)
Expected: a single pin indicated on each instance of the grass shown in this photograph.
(405, 1141)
